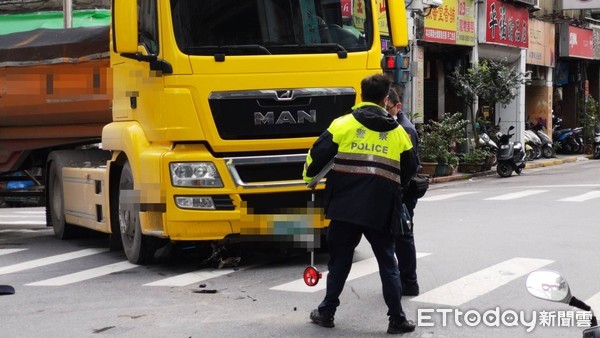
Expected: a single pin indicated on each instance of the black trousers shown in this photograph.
(406, 252)
(342, 239)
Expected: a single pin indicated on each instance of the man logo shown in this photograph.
(285, 117)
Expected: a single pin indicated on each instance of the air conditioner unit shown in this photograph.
(538, 73)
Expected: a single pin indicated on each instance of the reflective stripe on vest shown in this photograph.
(367, 164)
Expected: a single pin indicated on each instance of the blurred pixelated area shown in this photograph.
(303, 228)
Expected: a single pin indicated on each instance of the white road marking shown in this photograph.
(9, 251)
(86, 274)
(446, 196)
(515, 195)
(594, 302)
(481, 282)
(49, 260)
(26, 231)
(582, 198)
(194, 277)
(359, 269)
(21, 216)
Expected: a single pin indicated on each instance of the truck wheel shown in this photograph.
(55, 206)
(138, 248)
(504, 169)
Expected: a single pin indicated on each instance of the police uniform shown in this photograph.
(372, 157)
(405, 244)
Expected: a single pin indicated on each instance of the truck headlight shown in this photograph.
(195, 202)
(195, 174)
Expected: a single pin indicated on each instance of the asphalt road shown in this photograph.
(477, 241)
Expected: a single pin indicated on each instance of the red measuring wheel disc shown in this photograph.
(311, 276)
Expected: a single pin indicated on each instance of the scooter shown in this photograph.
(550, 285)
(511, 155)
(535, 143)
(570, 140)
(597, 142)
(486, 141)
(547, 148)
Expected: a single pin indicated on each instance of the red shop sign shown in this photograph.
(576, 42)
(346, 8)
(506, 24)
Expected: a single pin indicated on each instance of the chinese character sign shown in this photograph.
(465, 24)
(541, 43)
(576, 42)
(346, 8)
(506, 24)
(360, 14)
(452, 23)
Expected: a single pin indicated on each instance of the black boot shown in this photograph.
(401, 326)
(324, 320)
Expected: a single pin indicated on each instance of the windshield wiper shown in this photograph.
(319, 47)
(219, 52)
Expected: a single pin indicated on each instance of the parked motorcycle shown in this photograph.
(535, 144)
(550, 285)
(510, 155)
(547, 148)
(597, 142)
(570, 140)
(487, 142)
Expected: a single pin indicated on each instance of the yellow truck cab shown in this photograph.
(215, 104)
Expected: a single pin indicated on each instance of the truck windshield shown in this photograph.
(260, 27)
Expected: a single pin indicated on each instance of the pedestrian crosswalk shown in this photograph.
(592, 195)
(481, 282)
(462, 290)
(454, 293)
(359, 269)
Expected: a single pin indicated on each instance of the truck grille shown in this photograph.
(268, 114)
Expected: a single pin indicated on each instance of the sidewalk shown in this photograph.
(540, 162)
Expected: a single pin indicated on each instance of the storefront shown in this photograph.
(444, 42)
(573, 73)
(540, 69)
(504, 36)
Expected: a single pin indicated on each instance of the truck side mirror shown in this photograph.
(125, 26)
(397, 25)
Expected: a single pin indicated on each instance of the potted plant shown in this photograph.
(438, 139)
(475, 161)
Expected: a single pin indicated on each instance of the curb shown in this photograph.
(528, 165)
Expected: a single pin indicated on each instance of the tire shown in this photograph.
(537, 152)
(529, 155)
(138, 247)
(55, 212)
(547, 152)
(504, 169)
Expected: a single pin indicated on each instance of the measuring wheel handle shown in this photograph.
(311, 276)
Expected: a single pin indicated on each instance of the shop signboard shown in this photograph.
(541, 43)
(506, 24)
(451, 23)
(346, 8)
(360, 15)
(576, 42)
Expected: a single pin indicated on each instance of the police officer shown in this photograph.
(405, 243)
(372, 157)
